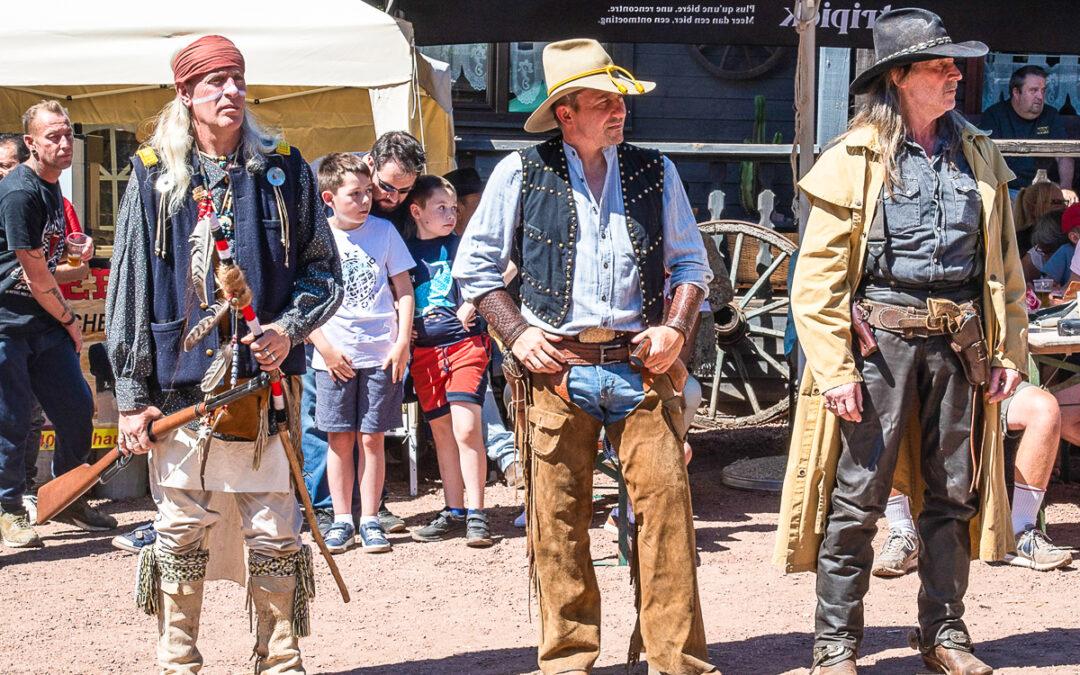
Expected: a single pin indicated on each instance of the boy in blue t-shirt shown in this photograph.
(451, 350)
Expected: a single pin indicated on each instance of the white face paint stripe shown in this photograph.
(230, 89)
(208, 98)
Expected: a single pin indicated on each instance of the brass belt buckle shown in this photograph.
(596, 335)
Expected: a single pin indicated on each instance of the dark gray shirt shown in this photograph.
(933, 230)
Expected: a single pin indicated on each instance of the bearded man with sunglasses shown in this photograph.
(396, 161)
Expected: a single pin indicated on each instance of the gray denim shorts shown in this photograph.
(369, 403)
(1024, 384)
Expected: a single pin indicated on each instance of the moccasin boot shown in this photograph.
(277, 646)
(180, 605)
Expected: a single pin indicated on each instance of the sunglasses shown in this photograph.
(390, 189)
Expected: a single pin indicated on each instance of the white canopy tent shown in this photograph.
(332, 74)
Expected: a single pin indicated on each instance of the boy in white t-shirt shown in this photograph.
(361, 353)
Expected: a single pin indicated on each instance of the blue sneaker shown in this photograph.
(136, 540)
(520, 520)
(373, 539)
(340, 537)
(612, 523)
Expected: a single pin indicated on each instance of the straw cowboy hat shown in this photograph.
(910, 35)
(573, 65)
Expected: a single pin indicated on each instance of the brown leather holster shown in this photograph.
(241, 419)
(961, 323)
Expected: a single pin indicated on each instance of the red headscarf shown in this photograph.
(206, 55)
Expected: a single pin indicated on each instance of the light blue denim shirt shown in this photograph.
(605, 291)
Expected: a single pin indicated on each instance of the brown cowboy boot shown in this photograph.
(845, 667)
(952, 655)
(942, 659)
(833, 660)
(277, 647)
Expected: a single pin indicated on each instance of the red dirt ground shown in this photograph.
(445, 608)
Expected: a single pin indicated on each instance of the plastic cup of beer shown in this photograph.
(1043, 288)
(78, 245)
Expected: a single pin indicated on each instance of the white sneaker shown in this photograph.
(1035, 551)
(29, 503)
(898, 556)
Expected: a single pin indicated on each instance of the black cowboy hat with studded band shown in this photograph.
(909, 35)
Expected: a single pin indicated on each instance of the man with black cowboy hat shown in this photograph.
(594, 223)
(911, 222)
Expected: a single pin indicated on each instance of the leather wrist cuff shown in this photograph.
(684, 308)
(503, 315)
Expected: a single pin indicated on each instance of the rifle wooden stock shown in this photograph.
(60, 492)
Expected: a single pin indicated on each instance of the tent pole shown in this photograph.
(805, 115)
(806, 77)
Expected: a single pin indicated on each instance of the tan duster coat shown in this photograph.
(843, 188)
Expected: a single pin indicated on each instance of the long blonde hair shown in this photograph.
(172, 140)
(1034, 201)
(880, 112)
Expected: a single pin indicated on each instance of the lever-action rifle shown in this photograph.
(60, 492)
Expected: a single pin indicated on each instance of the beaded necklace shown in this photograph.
(225, 211)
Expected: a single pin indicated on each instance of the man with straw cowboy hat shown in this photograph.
(593, 224)
(908, 302)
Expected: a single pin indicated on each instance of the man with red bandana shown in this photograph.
(210, 475)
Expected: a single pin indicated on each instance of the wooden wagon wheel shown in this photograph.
(737, 62)
(749, 379)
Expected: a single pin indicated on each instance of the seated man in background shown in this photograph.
(1025, 115)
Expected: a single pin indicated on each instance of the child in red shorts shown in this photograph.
(451, 350)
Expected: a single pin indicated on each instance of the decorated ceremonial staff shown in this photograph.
(238, 297)
(222, 266)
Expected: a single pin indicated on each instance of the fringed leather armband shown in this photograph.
(502, 314)
(684, 308)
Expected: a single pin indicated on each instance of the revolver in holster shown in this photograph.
(963, 325)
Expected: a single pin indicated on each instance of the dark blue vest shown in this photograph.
(548, 236)
(256, 248)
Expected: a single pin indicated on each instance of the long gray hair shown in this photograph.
(880, 112)
(172, 140)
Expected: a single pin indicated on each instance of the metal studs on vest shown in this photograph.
(545, 165)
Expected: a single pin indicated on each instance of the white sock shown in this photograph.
(343, 518)
(364, 520)
(898, 513)
(1025, 506)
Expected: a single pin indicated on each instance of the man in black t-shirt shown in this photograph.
(1026, 116)
(40, 337)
